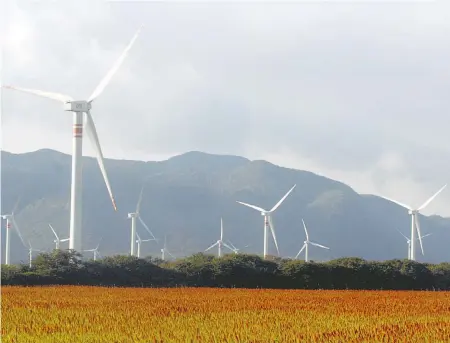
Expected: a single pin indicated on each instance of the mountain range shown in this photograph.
(185, 197)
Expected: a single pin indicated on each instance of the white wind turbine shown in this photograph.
(220, 242)
(415, 221)
(268, 223)
(164, 251)
(57, 241)
(236, 250)
(95, 251)
(134, 216)
(306, 243)
(81, 112)
(30, 253)
(139, 241)
(408, 241)
(10, 221)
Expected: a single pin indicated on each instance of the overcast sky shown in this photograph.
(355, 92)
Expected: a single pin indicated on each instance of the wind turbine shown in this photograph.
(408, 241)
(133, 217)
(306, 243)
(10, 221)
(415, 221)
(57, 240)
(164, 251)
(95, 251)
(268, 223)
(236, 250)
(139, 241)
(30, 252)
(220, 242)
(81, 111)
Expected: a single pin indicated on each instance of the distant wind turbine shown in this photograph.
(81, 112)
(236, 250)
(408, 241)
(10, 222)
(220, 243)
(30, 253)
(415, 221)
(139, 241)
(95, 250)
(136, 215)
(57, 240)
(268, 223)
(308, 242)
(164, 251)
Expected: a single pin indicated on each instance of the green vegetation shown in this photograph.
(242, 271)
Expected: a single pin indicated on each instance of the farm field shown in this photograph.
(95, 314)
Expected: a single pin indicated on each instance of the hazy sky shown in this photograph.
(356, 92)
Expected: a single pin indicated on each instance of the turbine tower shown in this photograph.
(164, 251)
(408, 241)
(80, 109)
(306, 243)
(268, 223)
(415, 221)
(57, 240)
(10, 222)
(220, 242)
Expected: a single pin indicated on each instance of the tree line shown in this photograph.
(65, 267)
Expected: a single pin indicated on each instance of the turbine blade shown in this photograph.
(49, 95)
(272, 229)
(319, 245)
(227, 246)
(252, 206)
(138, 206)
(396, 202)
(303, 248)
(403, 234)
(93, 137)
(306, 231)
(146, 227)
(221, 229)
(54, 232)
(212, 246)
(18, 231)
(416, 219)
(64, 240)
(139, 238)
(15, 206)
(282, 199)
(232, 244)
(428, 234)
(165, 241)
(167, 251)
(426, 203)
(104, 82)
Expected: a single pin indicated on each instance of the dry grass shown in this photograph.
(94, 314)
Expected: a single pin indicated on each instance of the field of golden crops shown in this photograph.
(94, 314)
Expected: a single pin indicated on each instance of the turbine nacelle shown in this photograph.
(411, 212)
(77, 106)
(132, 215)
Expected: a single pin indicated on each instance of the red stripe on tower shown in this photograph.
(78, 130)
(8, 225)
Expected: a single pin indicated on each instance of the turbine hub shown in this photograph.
(77, 106)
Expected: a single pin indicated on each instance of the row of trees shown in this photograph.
(245, 271)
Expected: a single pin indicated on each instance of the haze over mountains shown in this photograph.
(186, 195)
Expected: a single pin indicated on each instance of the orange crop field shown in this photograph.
(94, 314)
